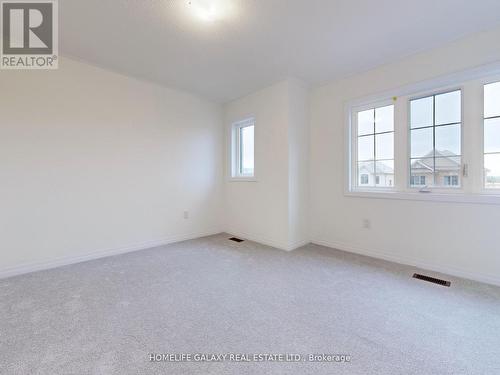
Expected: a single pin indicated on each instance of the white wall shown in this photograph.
(259, 210)
(92, 163)
(456, 238)
(273, 209)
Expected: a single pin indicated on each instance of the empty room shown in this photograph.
(250, 187)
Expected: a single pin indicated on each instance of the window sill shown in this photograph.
(242, 179)
(452, 197)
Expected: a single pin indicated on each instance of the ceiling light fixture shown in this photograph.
(208, 10)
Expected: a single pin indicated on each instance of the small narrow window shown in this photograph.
(492, 135)
(417, 180)
(374, 145)
(450, 180)
(243, 152)
(435, 133)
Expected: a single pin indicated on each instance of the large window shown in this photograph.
(435, 140)
(243, 139)
(439, 137)
(375, 147)
(492, 135)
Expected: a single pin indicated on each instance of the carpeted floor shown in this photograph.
(214, 296)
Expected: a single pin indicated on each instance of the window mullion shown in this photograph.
(472, 133)
(374, 147)
(434, 140)
(236, 151)
(241, 151)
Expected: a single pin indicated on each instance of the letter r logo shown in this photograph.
(27, 28)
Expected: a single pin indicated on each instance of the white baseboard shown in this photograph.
(64, 261)
(410, 261)
(267, 241)
(258, 239)
(298, 245)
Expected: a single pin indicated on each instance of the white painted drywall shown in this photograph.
(273, 208)
(457, 238)
(258, 210)
(92, 162)
(95, 163)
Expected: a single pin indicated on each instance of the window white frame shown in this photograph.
(434, 93)
(472, 189)
(353, 139)
(492, 79)
(236, 173)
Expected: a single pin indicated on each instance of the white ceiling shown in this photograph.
(258, 42)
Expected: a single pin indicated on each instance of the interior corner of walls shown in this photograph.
(258, 238)
(298, 244)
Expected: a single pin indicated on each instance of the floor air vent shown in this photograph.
(236, 239)
(431, 279)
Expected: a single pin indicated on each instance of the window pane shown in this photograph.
(384, 119)
(422, 143)
(384, 146)
(366, 150)
(492, 135)
(418, 180)
(492, 100)
(450, 180)
(447, 167)
(384, 173)
(422, 172)
(366, 122)
(247, 150)
(448, 108)
(448, 140)
(366, 175)
(421, 112)
(492, 171)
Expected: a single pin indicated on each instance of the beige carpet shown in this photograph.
(214, 296)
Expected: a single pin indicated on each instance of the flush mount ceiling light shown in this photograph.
(209, 10)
